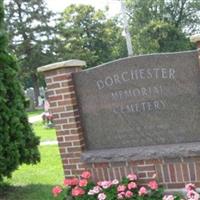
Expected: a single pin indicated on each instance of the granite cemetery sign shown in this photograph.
(141, 101)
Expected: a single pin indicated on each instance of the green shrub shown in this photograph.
(18, 144)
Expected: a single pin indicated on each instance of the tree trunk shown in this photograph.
(36, 87)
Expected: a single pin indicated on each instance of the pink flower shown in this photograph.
(190, 186)
(74, 181)
(132, 185)
(169, 197)
(153, 185)
(121, 188)
(115, 182)
(56, 191)
(132, 177)
(142, 191)
(106, 184)
(77, 191)
(67, 182)
(101, 196)
(97, 189)
(120, 196)
(71, 182)
(91, 192)
(86, 174)
(83, 182)
(193, 195)
(128, 194)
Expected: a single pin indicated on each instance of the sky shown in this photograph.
(60, 5)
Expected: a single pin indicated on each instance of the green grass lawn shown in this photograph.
(35, 182)
(35, 112)
(45, 134)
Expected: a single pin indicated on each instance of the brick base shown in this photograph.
(172, 174)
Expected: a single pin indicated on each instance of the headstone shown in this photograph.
(141, 101)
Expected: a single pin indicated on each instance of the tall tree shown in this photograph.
(18, 144)
(171, 21)
(86, 34)
(32, 35)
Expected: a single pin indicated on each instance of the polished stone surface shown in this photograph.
(141, 101)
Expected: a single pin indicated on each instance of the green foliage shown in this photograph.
(32, 38)
(86, 34)
(160, 36)
(18, 144)
(160, 26)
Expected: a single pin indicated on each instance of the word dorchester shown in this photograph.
(137, 74)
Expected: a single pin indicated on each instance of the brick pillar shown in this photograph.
(63, 105)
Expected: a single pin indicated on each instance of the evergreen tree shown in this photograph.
(31, 33)
(18, 144)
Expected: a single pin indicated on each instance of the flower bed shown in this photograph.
(126, 189)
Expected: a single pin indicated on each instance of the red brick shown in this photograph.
(62, 133)
(55, 116)
(52, 104)
(70, 108)
(65, 144)
(172, 173)
(53, 86)
(72, 137)
(142, 175)
(74, 149)
(77, 172)
(60, 78)
(150, 174)
(175, 185)
(60, 121)
(55, 98)
(60, 139)
(118, 164)
(154, 161)
(159, 175)
(146, 168)
(78, 143)
(185, 172)
(61, 91)
(65, 161)
(50, 93)
(70, 166)
(192, 172)
(117, 173)
(74, 160)
(166, 173)
(50, 74)
(179, 173)
(68, 126)
(57, 110)
(62, 150)
(101, 165)
(198, 170)
(105, 174)
(69, 96)
(137, 162)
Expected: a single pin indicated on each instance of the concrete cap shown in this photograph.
(195, 38)
(63, 64)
